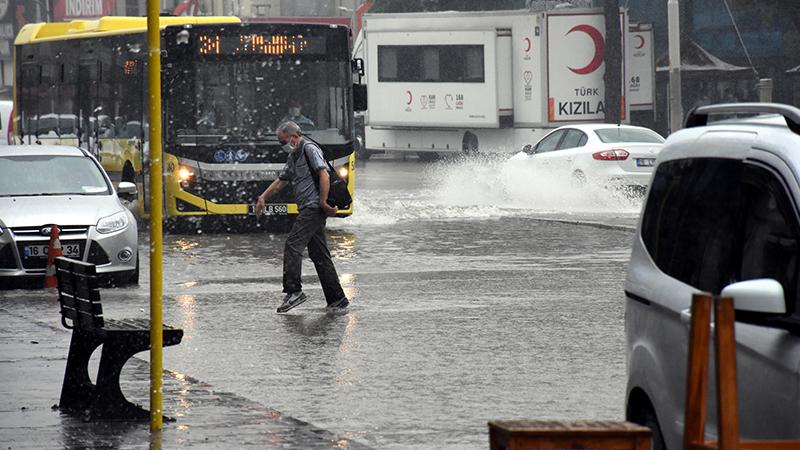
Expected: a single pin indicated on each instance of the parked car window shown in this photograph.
(770, 233)
(50, 175)
(689, 223)
(550, 142)
(573, 139)
(619, 134)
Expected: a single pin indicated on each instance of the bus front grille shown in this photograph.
(236, 192)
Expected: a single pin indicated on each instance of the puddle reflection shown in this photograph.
(343, 245)
(321, 325)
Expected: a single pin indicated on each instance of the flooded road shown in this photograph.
(476, 294)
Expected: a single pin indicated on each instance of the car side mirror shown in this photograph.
(760, 296)
(127, 189)
(528, 148)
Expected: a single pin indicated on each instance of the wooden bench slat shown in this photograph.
(79, 298)
(75, 266)
(82, 290)
(131, 324)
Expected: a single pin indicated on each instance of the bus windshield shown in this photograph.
(235, 98)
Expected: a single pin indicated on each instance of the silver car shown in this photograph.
(45, 185)
(722, 216)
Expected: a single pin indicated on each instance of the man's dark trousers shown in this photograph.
(309, 231)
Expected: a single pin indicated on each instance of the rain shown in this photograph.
(485, 274)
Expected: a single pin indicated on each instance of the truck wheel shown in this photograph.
(428, 156)
(363, 154)
(469, 144)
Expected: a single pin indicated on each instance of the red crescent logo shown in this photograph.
(641, 41)
(527, 45)
(599, 45)
(410, 97)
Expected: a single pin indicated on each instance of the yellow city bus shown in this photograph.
(226, 86)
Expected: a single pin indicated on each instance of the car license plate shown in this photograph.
(645, 162)
(270, 210)
(40, 251)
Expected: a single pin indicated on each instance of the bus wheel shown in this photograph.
(278, 224)
(469, 144)
(428, 156)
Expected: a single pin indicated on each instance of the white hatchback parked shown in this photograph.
(42, 185)
(722, 214)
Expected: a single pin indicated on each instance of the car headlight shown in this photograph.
(114, 222)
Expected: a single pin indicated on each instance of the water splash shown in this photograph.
(486, 188)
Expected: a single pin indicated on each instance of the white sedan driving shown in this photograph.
(606, 155)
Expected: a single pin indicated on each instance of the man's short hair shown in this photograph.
(289, 128)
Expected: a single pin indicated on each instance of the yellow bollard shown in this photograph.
(156, 336)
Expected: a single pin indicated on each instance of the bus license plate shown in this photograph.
(645, 162)
(271, 210)
(40, 251)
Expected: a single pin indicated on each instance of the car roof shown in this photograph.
(598, 126)
(733, 139)
(40, 150)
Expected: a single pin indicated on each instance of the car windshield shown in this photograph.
(33, 175)
(619, 134)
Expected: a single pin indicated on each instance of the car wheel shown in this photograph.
(578, 179)
(133, 277)
(128, 174)
(647, 418)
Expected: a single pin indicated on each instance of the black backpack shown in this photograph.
(338, 194)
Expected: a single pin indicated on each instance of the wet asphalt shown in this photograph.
(480, 290)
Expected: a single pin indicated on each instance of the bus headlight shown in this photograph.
(343, 172)
(185, 176)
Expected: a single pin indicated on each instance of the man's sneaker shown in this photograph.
(339, 306)
(292, 300)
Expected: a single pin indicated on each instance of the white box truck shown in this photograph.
(450, 82)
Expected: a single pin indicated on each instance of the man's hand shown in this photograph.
(275, 186)
(329, 210)
(260, 206)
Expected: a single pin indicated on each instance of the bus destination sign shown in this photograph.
(260, 44)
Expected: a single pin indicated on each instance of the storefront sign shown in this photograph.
(82, 9)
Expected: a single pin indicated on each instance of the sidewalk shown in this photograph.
(32, 360)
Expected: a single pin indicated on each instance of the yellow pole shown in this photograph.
(154, 88)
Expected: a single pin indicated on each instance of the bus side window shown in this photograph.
(29, 104)
(48, 120)
(66, 108)
(128, 68)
